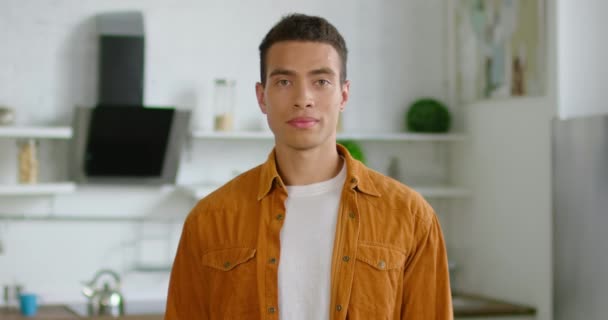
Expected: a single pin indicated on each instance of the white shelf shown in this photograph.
(443, 192)
(39, 189)
(264, 135)
(201, 191)
(36, 132)
(430, 137)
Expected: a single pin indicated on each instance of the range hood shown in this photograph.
(120, 140)
(120, 145)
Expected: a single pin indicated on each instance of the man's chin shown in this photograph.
(305, 144)
(302, 145)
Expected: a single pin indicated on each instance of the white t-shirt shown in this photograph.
(307, 240)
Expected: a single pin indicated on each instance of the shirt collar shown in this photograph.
(357, 175)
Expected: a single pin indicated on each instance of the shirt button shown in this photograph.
(227, 264)
(339, 307)
(353, 180)
(346, 258)
(381, 264)
(280, 217)
(272, 260)
(271, 310)
(351, 215)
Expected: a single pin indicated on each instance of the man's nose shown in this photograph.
(303, 96)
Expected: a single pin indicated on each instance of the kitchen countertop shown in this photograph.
(465, 305)
(133, 317)
(44, 312)
(469, 305)
(61, 312)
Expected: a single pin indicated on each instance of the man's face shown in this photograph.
(303, 96)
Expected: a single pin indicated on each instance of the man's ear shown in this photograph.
(345, 94)
(259, 93)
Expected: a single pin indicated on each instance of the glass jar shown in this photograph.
(28, 161)
(223, 104)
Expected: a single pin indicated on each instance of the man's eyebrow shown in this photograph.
(280, 71)
(328, 71)
(286, 72)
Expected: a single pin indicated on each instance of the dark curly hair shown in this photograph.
(300, 27)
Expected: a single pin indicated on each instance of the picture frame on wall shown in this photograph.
(499, 49)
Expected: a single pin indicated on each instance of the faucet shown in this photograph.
(109, 300)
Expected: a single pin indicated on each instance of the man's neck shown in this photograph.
(302, 167)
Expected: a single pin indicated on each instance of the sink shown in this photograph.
(131, 308)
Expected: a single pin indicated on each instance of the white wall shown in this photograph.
(582, 48)
(502, 238)
(48, 61)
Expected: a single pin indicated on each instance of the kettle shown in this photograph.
(107, 300)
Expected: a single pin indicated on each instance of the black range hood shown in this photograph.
(120, 140)
(128, 145)
(121, 41)
(127, 142)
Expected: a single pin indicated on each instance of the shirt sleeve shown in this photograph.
(184, 295)
(426, 286)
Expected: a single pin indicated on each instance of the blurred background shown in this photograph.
(493, 80)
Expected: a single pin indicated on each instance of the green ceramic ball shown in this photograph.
(428, 116)
(354, 148)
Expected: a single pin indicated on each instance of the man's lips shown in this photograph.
(303, 122)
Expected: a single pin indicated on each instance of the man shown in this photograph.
(311, 233)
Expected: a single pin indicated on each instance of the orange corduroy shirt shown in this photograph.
(389, 257)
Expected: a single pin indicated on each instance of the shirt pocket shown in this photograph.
(231, 283)
(377, 281)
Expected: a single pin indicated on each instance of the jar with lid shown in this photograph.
(28, 161)
(223, 104)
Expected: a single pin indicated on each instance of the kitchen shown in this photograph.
(53, 240)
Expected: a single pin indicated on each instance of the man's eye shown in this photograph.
(323, 82)
(283, 82)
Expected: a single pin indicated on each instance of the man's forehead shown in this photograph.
(300, 43)
(302, 56)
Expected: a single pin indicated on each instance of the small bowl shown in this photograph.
(7, 116)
